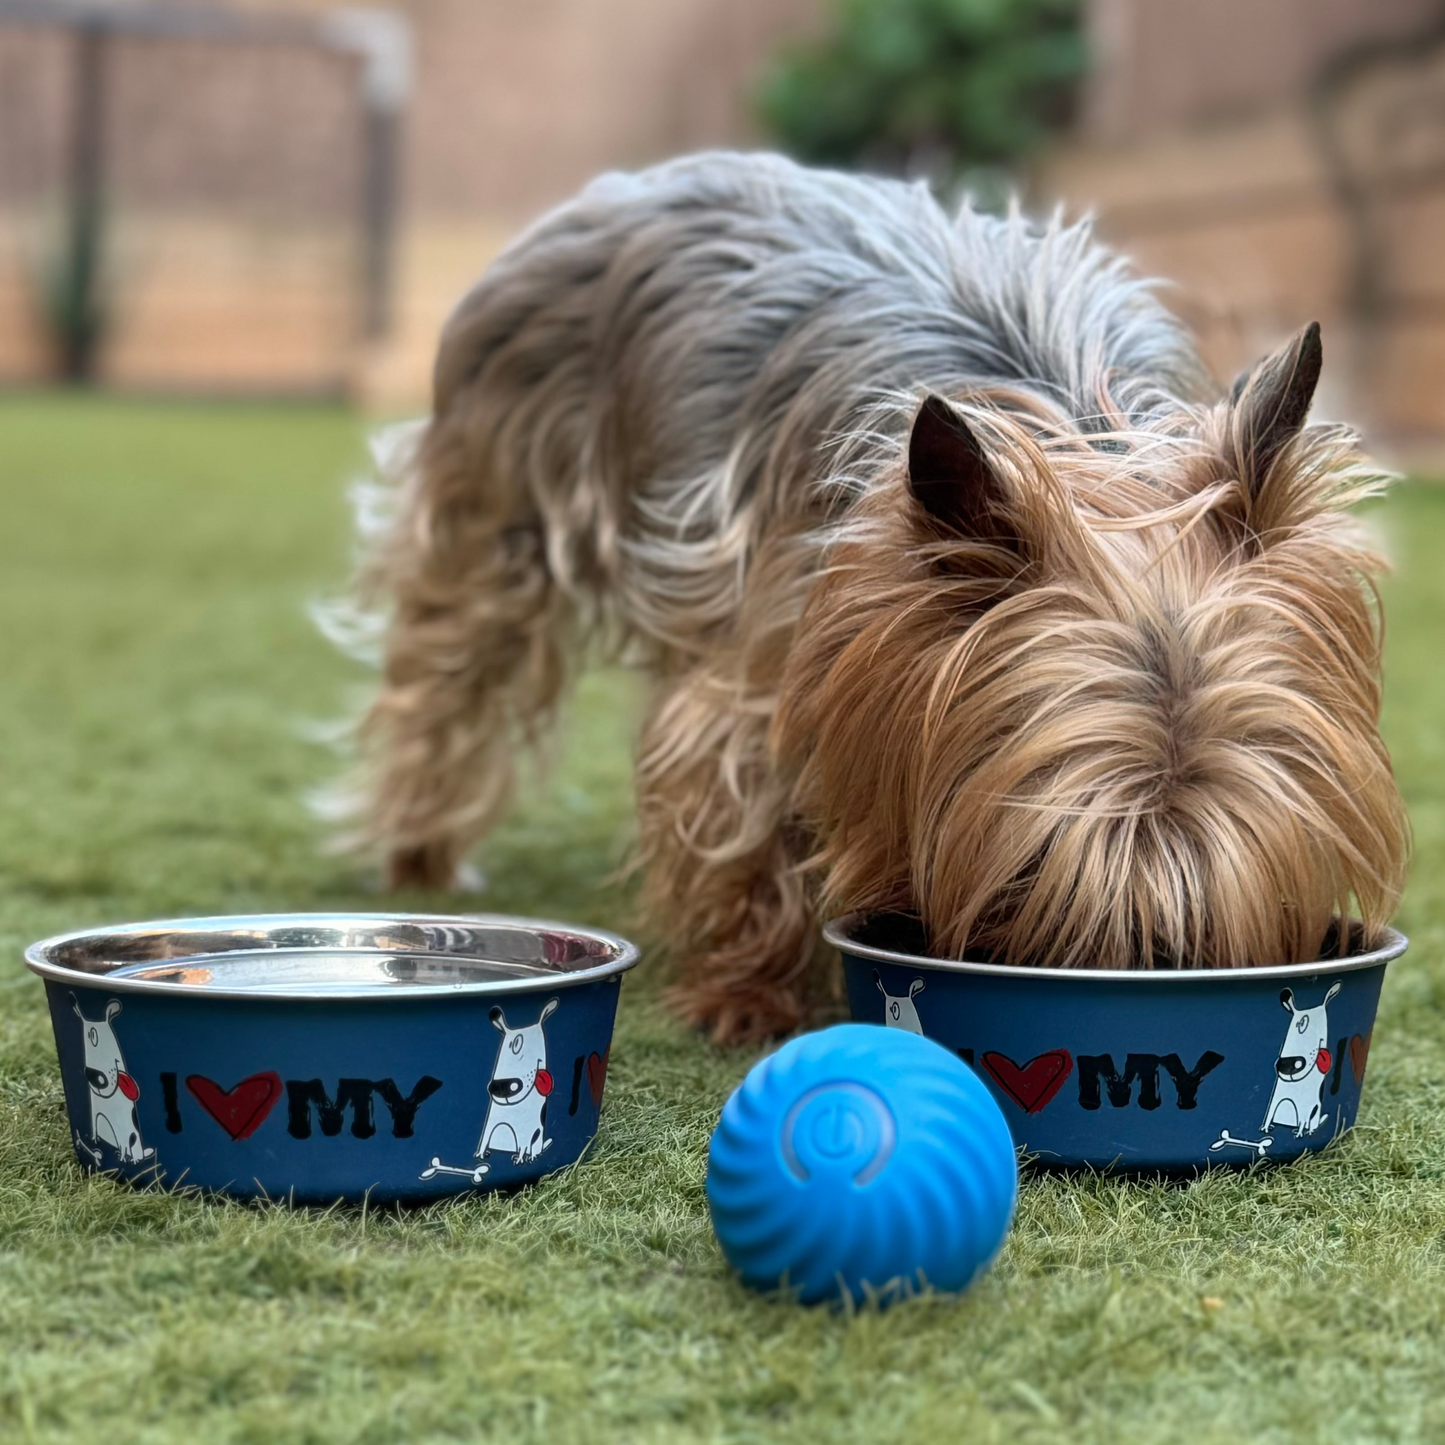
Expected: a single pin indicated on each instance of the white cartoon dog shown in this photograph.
(113, 1092)
(1302, 1067)
(899, 1010)
(518, 1089)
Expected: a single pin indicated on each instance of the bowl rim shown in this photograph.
(38, 960)
(837, 932)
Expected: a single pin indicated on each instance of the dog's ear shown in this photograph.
(499, 1020)
(915, 988)
(548, 1009)
(1334, 989)
(951, 477)
(111, 1009)
(75, 1004)
(876, 979)
(1286, 1000)
(1271, 402)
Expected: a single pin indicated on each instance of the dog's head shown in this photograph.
(105, 1070)
(1104, 698)
(522, 1060)
(1306, 1047)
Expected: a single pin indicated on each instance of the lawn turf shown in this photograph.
(160, 680)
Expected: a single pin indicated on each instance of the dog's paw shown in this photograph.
(433, 870)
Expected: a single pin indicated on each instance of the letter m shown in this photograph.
(353, 1094)
(1097, 1068)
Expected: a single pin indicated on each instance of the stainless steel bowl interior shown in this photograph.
(333, 956)
(899, 938)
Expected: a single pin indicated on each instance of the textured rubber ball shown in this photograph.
(861, 1161)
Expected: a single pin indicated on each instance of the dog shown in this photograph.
(963, 589)
(113, 1091)
(1303, 1066)
(518, 1089)
(899, 1010)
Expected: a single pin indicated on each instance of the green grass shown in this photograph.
(159, 675)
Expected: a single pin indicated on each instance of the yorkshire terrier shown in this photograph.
(962, 588)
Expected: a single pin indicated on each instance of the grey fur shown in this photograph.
(700, 332)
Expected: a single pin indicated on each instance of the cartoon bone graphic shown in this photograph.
(899, 1010)
(1300, 1069)
(518, 1089)
(1259, 1146)
(113, 1091)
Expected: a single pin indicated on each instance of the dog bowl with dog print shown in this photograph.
(317, 1057)
(1147, 1070)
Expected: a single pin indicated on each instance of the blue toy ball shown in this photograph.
(861, 1159)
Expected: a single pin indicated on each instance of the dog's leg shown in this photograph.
(473, 661)
(722, 885)
(499, 543)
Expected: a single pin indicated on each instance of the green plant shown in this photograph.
(942, 86)
(75, 303)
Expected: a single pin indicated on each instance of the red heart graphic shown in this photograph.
(239, 1111)
(597, 1075)
(544, 1082)
(1033, 1084)
(128, 1086)
(1360, 1054)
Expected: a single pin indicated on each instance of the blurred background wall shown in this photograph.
(286, 196)
(1282, 161)
(233, 138)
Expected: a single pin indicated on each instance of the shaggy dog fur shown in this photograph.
(963, 590)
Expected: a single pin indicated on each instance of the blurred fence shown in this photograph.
(192, 199)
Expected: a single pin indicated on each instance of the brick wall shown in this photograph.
(1206, 150)
(1304, 181)
(232, 196)
(1164, 64)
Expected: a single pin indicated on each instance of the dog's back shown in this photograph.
(664, 360)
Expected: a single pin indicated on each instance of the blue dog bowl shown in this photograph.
(1149, 1070)
(317, 1057)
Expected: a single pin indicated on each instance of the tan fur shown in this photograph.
(1150, 741)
